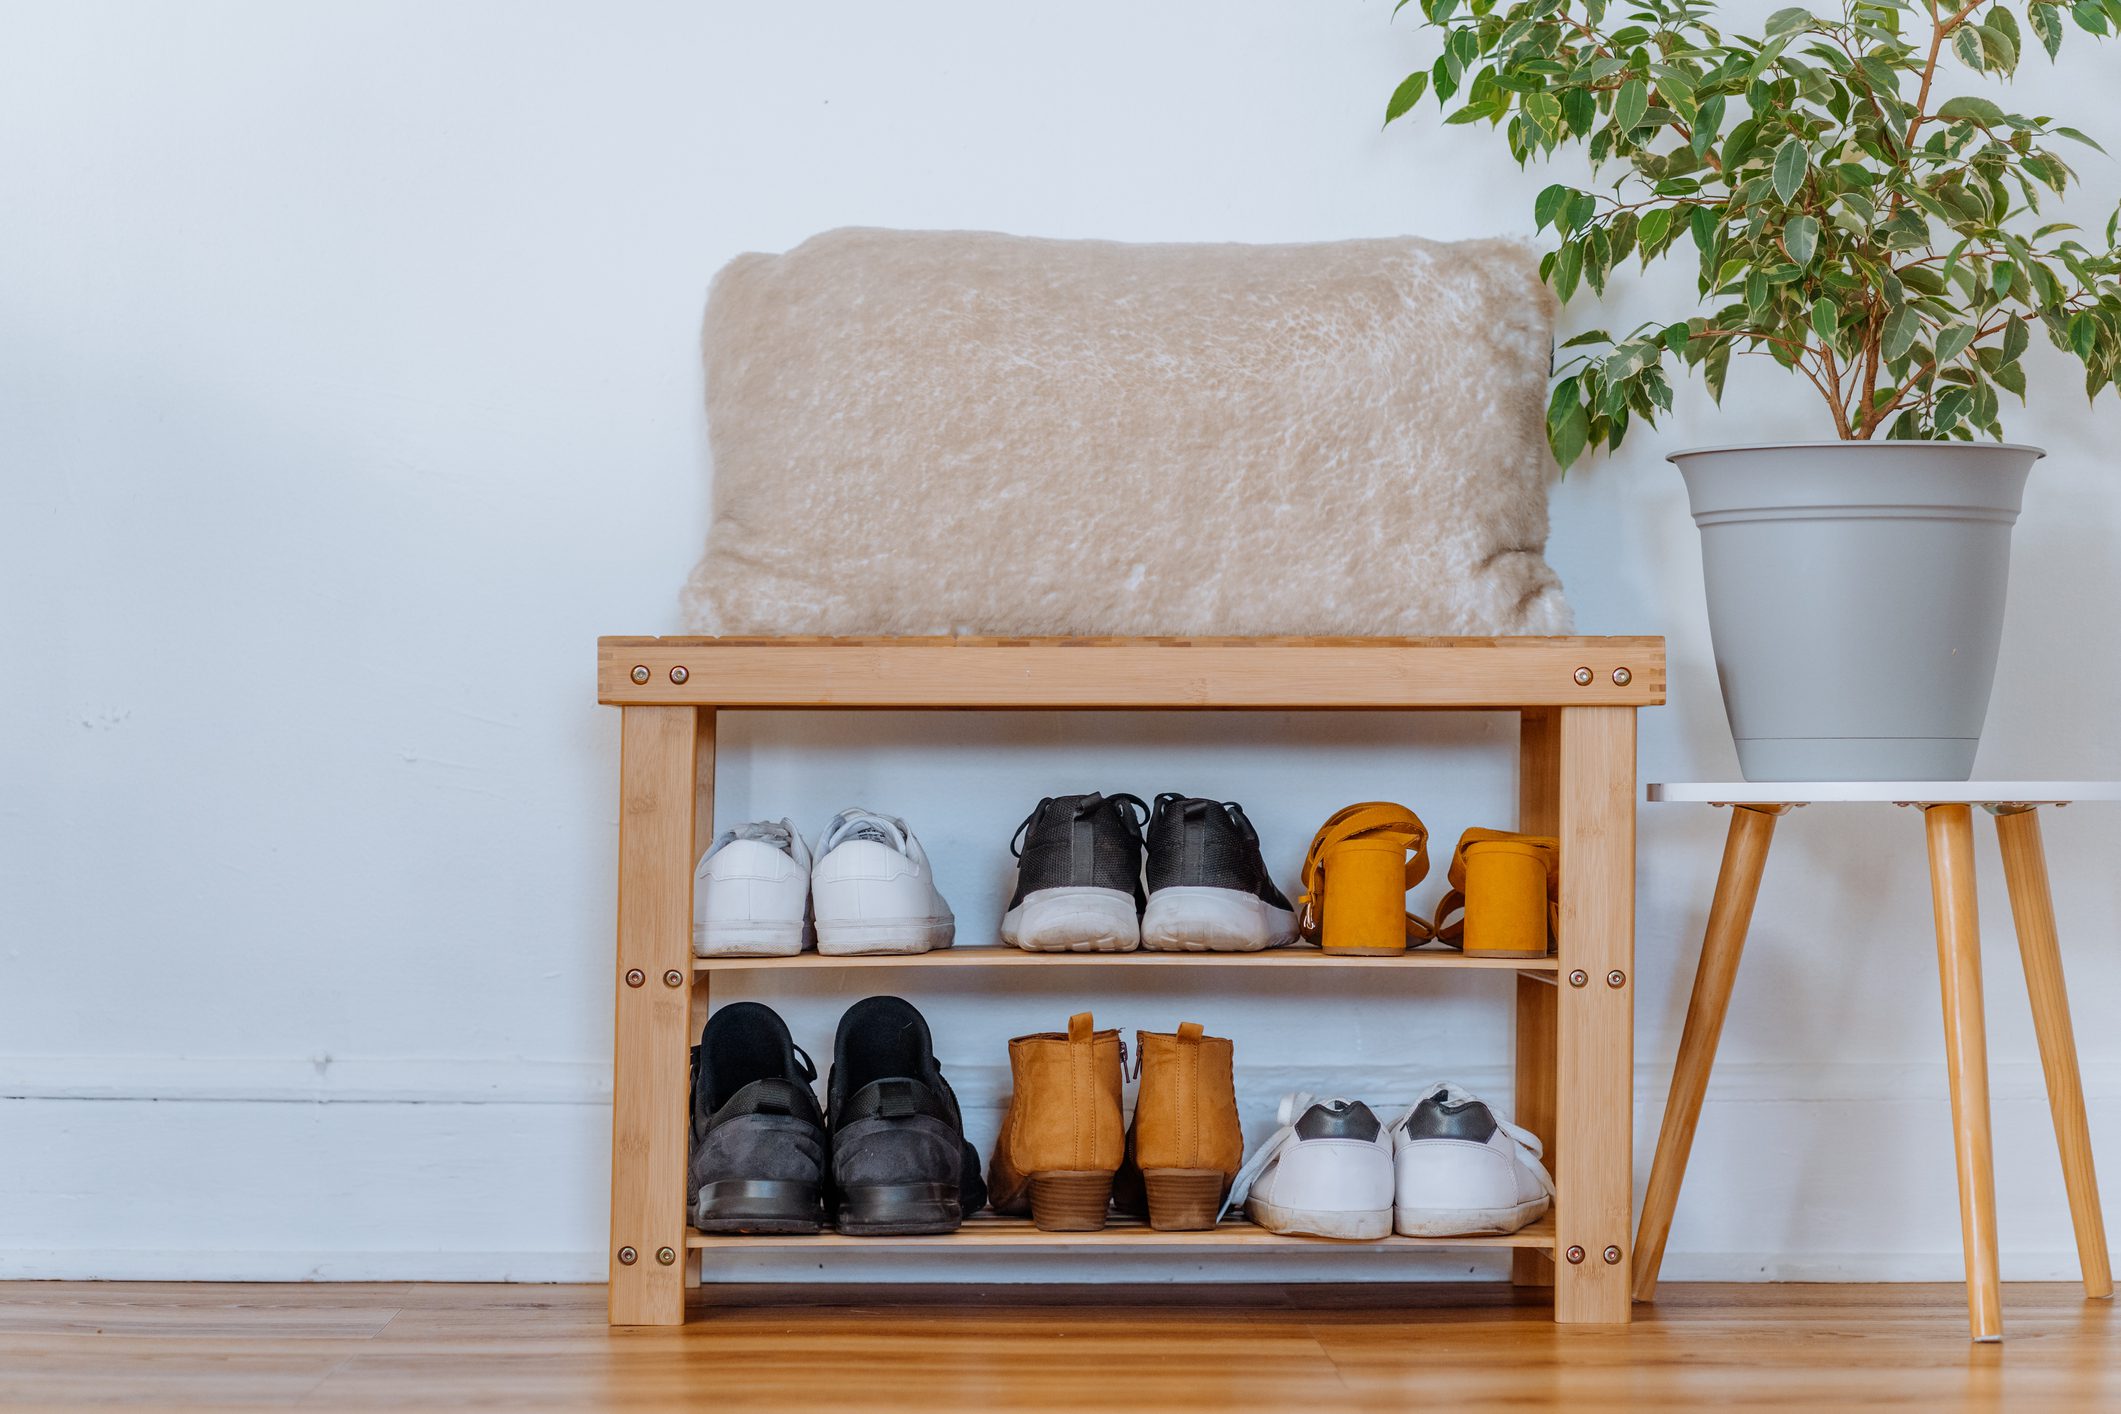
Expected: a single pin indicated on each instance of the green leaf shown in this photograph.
(1952, 342)
(2075, 136)
(1655, 222)
(1796, 17)
(1568, 269)
(1966, 43)
(1801, 238)
(1790, 162)
(1547, 205)
(1972, 110)
(2083, 334)
(1951, 406)
(2047, 23)
(1407, 94)
(1630, 105)
(1826, 318)
(2016, 339)
(1901, 327)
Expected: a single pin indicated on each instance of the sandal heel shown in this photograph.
(1184, 1200)
(1506, 899)
(1070, 1202)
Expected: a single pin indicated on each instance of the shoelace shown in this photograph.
(855, 823)
(774, 832)
(1085, 807)
(1292, 1108)
(1452, 1094)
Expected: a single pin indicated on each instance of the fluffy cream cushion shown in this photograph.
(934, 432)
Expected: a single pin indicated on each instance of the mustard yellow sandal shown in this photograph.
(1371, 854)
(1508, 889)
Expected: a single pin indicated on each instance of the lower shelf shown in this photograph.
(1122, 1234)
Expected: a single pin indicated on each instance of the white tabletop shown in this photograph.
(1894, 792)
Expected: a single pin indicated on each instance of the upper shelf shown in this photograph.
(990, 955)
(1131, 673)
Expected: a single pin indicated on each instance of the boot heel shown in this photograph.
(1070, 1202)
(1184, 1200)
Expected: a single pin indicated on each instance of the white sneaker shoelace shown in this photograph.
(855, 823)
(778, 833)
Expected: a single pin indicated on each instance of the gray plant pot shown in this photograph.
(1856, 600)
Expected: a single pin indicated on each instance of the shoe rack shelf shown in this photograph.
(1575, 700)
(1124, 1235)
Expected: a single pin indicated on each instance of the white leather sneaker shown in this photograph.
(1327, 1172)
(1464, 1169)
(872, 890)
(751, 892)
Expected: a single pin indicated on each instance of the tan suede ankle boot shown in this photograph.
(1062, 1138)
(1185, 1145)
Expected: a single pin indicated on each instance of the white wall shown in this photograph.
(348, 390)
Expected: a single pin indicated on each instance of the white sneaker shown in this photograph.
(872, 890)
(750, 893)
(1327, 1172)
(1464, 1169)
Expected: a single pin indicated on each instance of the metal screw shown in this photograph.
(1612, 1256)
(627, 1256)
(1622, 677)
(675, 978)
(1616, 978)
(666, 1256)
(1579, 977)
(1574, 1254)
(640, 672)
(678, 673)
(1583, 677)
(635, 977)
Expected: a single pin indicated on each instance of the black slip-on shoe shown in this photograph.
(1209, 890)
(900, 1163)
(1078, 876)
(759, 1146)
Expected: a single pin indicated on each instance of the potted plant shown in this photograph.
(1863, 231)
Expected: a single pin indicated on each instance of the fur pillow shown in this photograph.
(934, 431)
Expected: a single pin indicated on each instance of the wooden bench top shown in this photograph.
(1132, 673)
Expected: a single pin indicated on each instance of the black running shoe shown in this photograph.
(1209, 890)
(758, 1142)
(1078, 876)
(900, 1163)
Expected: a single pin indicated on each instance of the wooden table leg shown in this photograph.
(1538, 813)
(1745, 853)
(2033, 908)
(1595, 1022)
(649, 1125)
(1951, 848)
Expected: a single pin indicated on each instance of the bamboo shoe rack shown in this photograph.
(1575, 701)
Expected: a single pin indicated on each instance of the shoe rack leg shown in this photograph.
(1595, 1023)
(1745, 854)
(1538, 813)
(658, 792)
(2033, 907)
(1951, 847)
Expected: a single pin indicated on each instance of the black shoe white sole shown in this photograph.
(1197, 918)
(1073, 920)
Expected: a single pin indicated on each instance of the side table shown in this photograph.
(1948, 821)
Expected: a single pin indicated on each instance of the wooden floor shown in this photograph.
(1148, 1349)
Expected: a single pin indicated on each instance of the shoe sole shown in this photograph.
(759, 1207)
(1349, 1225)
(899, 1210)
(884, 936)
(1467, 1222)
(1197, 918)
(1073, 920)
(779, 938)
